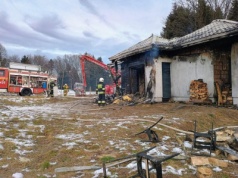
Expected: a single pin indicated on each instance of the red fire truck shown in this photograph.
(24, 79)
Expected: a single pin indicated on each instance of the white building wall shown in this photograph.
(182, 73)
(234, 72)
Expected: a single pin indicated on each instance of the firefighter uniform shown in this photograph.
(52, 85)
(66, 89)
(100, 90)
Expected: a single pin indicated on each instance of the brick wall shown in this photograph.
(222, 70)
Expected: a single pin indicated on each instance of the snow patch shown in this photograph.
(17, 175)
(217, 169)
(165, 138)
(187, 144)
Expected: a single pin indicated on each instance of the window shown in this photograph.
(2, 73)
(13, 80)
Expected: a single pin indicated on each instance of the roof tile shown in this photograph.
(219, 28)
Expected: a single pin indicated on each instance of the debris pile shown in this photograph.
(224, 94)
(131, 100)
(227, 95)
(124, 100)
(227, 143)
(226, 146)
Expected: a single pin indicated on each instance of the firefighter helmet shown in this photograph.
(101, 80)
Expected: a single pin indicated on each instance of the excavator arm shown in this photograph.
(114, 73)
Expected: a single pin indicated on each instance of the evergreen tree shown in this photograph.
(203, 14)
(99, 59)
(178, 23)
(218, 14)
(233, 13)
(25, 60)
(190, 15)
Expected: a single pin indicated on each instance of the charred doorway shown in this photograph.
(222, 75)
(137, 80)
(166, 81)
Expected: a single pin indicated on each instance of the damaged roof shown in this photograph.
(218, 29)
(140, 47)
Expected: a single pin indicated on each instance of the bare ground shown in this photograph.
(66, 132)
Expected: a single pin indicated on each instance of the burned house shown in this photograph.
(163, 69)
(138, 70)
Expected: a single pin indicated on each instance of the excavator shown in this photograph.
(114, 73)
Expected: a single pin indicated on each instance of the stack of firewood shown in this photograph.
(198, 90)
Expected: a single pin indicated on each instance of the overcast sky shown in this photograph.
(56, 27)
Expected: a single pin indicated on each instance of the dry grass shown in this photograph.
(93, 138)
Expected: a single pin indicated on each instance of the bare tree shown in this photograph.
(190, 4)
(14, 58)
(73, 69)
(50, 66)
(223, 5)
(3, 56)
(39, 60)
(233, 13)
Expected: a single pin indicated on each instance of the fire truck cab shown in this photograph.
(4, 73)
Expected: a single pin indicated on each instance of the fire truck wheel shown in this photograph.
(26, 92)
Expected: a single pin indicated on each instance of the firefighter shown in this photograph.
(66, 89)
(52, 85)
(100, 90)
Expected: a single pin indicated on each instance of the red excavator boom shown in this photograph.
(89, 58)
(115, 74)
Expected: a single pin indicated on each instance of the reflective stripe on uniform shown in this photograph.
(100, 88)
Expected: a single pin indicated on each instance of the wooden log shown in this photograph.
(229, 98)
(203, 172)
(76, 168)
(199, 161)
(227, 150)
(120, 162)
(217, 162)
(224, 92)
(219, 94)
(232, 157)
(202, 161)
(201, 101)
